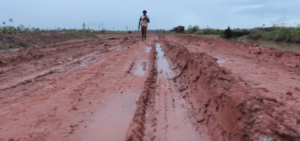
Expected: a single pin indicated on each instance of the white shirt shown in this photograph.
(144, 22)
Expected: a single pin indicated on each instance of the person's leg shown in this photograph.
(142, 34)
(145, 32)
(144, 28)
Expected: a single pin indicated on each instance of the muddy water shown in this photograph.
(112, 121)
(173, 123)
(221, 61)
(282, 46)
(142, 68)
(148, 49)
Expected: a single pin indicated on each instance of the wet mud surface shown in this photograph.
(249, 92)
(123, 89)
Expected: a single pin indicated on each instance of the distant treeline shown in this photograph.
(275, 33)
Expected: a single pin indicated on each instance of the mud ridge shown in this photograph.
(224, 103)
(131, 66)
(262, 54)
(136, 128)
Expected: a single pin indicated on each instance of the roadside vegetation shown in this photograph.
(278, 32)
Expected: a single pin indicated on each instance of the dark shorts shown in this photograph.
(144, 28)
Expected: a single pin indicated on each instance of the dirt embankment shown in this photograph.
(39, 38)
(261, 54)
(225, 103)
(9, 57)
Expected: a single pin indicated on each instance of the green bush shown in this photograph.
(283, 34)
(192, 29)
(75, 33)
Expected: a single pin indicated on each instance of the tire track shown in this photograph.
(163, 116)
(137, 127)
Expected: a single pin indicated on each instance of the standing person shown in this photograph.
(143, 21)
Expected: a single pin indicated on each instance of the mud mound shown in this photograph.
(38, 38)
(262, 54)
(225, 104)
(11, 58)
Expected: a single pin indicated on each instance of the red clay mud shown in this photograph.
(60, 105)
(230, 106)
(169, 88)
(171, 120)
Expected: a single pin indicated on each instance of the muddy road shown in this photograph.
(169, 88)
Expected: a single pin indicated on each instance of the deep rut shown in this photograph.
(163, 115)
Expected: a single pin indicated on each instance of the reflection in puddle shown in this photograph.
(112, 122)
(141, 68)
(148, 49)
(221, 61)
(162, 63)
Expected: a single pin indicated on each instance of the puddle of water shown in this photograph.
(112, 122)
(148, 49)
(117, 48)
(162, 63)
(282, 46)
(10, 50)
(14, 49)
(85, 61)
(142, 68)
(180, 126)
(221, 61)
(91, 55)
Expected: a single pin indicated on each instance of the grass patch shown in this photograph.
(210, 36)
(281, 34)
(75, 34)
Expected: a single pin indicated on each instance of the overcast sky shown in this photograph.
(164, 14)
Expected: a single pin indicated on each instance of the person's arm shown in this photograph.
(148, 19)
(140, 22)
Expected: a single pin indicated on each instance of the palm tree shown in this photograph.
(3, 23)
